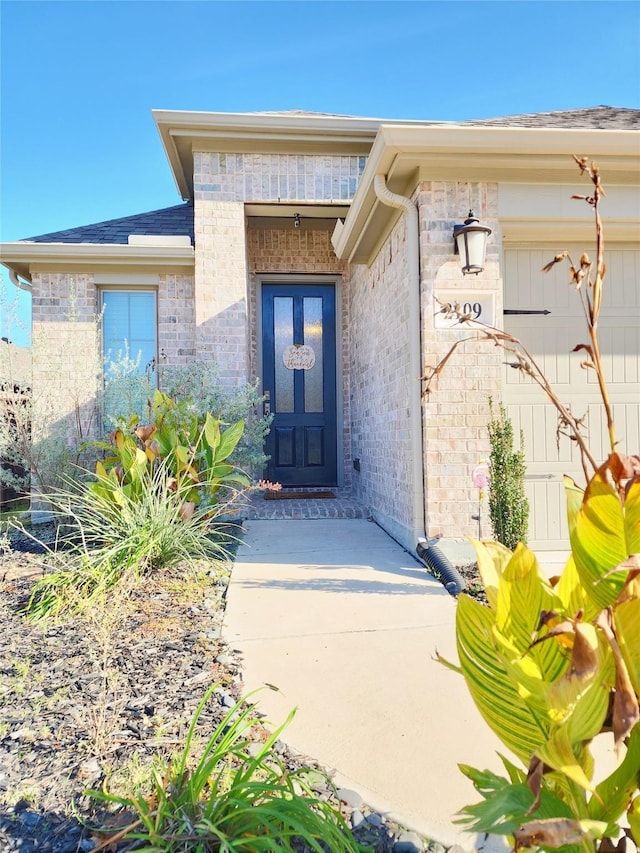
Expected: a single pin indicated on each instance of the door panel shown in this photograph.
(299, 377)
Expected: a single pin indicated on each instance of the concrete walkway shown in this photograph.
(345, 624)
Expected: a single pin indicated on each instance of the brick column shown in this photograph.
(221, 316)
(456, 413)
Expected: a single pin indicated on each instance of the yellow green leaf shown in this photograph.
(632, 517)
(559, 753)
(524, 593)
(491, 688)
(633, 816)
(212, 431)
(574, 496)
(492, 558)
(626, 617)
(228, 441)
(598, 541)
(571, 592)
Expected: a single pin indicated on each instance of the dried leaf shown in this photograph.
(583, 163)
(154, 448)
(144, 432)
(623, 467)
(534, 781)
(626, 710)
(585, 347)
(557, 831)
(558, 259)
(186, 510)
(584, 659)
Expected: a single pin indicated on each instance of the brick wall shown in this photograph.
(222, 183)
(380, 381)
(221, 287)
(276, 177)
(456, 412)
(176, 319)
(66, 357)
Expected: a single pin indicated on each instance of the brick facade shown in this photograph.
(456, 415)
(213, 314)
(221, 316)
(66, 364)
(276, 177)
(176, 319)
(380, 380)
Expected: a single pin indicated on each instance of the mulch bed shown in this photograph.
(95, 700)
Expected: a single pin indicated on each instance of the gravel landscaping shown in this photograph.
(94, 701)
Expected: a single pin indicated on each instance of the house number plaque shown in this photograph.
(479, 305)
(299, 357)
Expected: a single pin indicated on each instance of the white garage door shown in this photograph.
(550, 339)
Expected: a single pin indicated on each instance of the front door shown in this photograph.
(299, 377)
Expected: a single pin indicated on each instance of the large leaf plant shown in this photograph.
(189, 453)
(553, 664)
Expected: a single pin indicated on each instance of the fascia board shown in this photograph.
(24, 257)
(457, 153)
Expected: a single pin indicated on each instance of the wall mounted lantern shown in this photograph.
(471, 244)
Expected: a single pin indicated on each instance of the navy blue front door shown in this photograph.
(299, 379)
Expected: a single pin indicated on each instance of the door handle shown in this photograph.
(267, 409)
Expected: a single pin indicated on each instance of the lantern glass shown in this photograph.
(471, 245)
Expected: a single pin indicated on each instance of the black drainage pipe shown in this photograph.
(441, 567)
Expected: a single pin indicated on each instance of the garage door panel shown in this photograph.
(549, 526)
(550, 339)
(619, 340)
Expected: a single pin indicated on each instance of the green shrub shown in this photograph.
(198, 389)
(508, 505)
(228, 800)
(186, 450)
(104, 539)
(151, 504)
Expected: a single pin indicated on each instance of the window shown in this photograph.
(129, 327)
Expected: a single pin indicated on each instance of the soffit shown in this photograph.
(407, 155)
(25, 258)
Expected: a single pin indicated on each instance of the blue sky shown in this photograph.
(79, 81)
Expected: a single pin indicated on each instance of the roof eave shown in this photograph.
(184, 132)
(406, 155)
(25, 258)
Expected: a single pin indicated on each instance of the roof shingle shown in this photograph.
(169, 221)
(595, 118)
